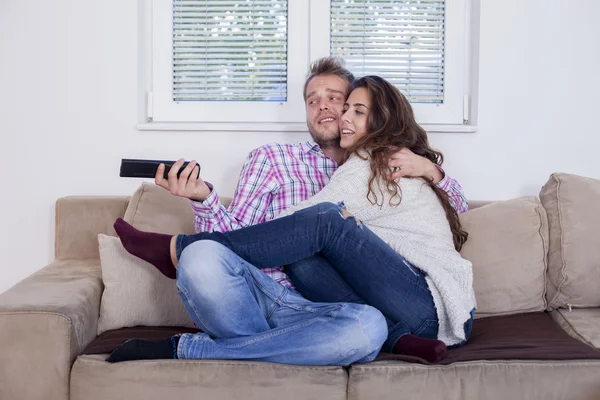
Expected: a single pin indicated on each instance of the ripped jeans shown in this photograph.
(372, 269)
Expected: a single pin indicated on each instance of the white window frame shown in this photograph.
(308, 39)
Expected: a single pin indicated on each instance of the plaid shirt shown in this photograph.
(274, 177)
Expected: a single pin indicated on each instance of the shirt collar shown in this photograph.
(312, 147)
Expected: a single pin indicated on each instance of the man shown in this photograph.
(255, 314)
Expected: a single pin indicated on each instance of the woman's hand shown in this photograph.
(188, 185)
(407, 163)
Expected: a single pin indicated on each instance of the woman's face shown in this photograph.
(353, 124)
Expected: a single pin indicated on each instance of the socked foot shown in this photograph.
(154, 248)
(137, 349)
(431, 350)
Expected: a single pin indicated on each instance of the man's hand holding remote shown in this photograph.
(188, 185)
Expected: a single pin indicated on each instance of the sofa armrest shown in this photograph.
(46, 321)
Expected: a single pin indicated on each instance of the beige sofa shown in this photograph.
(531, 256)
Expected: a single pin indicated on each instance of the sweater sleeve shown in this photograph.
(342, 182)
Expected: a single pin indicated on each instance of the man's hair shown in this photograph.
(329, 66)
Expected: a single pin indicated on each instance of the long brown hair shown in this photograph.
(391, 126)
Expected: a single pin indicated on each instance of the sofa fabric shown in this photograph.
(79, 220)
(476, 380)
(507, 245)
(582, 324)
(533, 336)
(110, 340)
(94, 379)
(46, 321)
(153, 208)
(135, 292)
(573, 206)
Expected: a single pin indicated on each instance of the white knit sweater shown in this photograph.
(418, 230)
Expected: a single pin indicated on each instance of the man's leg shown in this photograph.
(264, 321)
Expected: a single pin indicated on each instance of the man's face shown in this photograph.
(325, 96)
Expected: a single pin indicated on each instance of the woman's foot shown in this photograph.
(154, 248)
(137, 349)
(431, 350)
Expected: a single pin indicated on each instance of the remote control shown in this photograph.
(132, 168)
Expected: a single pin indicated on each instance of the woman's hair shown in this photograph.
(391, 126)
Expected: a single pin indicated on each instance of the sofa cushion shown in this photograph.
(573, 206)
(107, 341)
(153, 208)
(582, 324)
(135, 292)
(533, 336)
(507, 245)
(94, 379)
(476, 380)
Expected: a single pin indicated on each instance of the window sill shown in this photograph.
(273, 127)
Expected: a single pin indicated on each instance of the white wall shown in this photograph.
(68, 109)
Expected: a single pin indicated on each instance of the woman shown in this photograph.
(395, 242)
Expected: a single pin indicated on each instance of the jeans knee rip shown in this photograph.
(345, 214)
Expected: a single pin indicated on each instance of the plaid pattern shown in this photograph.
(274, 177)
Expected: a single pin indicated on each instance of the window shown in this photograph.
(241, 64)
(229, 50)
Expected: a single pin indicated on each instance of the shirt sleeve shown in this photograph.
(254, 194)
(457, 196)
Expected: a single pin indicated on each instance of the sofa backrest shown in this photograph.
(79, 220)
(508, 241)
(507, 245)
(573, 206)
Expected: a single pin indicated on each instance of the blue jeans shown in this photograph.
(375, 272)
(246, 315)
(317, 280)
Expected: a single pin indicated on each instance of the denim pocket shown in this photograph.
(428, 329)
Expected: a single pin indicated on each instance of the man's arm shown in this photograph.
(457, 198)
(253, 195)
(411, 164)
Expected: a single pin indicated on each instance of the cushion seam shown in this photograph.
(560, 312)
(545, 250)
(220, 363)
(137, 204)
(369, 367)
(562, 278)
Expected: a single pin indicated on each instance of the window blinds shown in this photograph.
(230, 50)
(401, 41)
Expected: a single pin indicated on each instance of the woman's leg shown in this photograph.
(317, 280)
(372, 269)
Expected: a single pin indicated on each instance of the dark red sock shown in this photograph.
(431, 350)
(154, 248)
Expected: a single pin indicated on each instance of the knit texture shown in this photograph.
(417, 229)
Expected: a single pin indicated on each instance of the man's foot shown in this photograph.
(154, 248)
(431, 350)
(137, 349)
